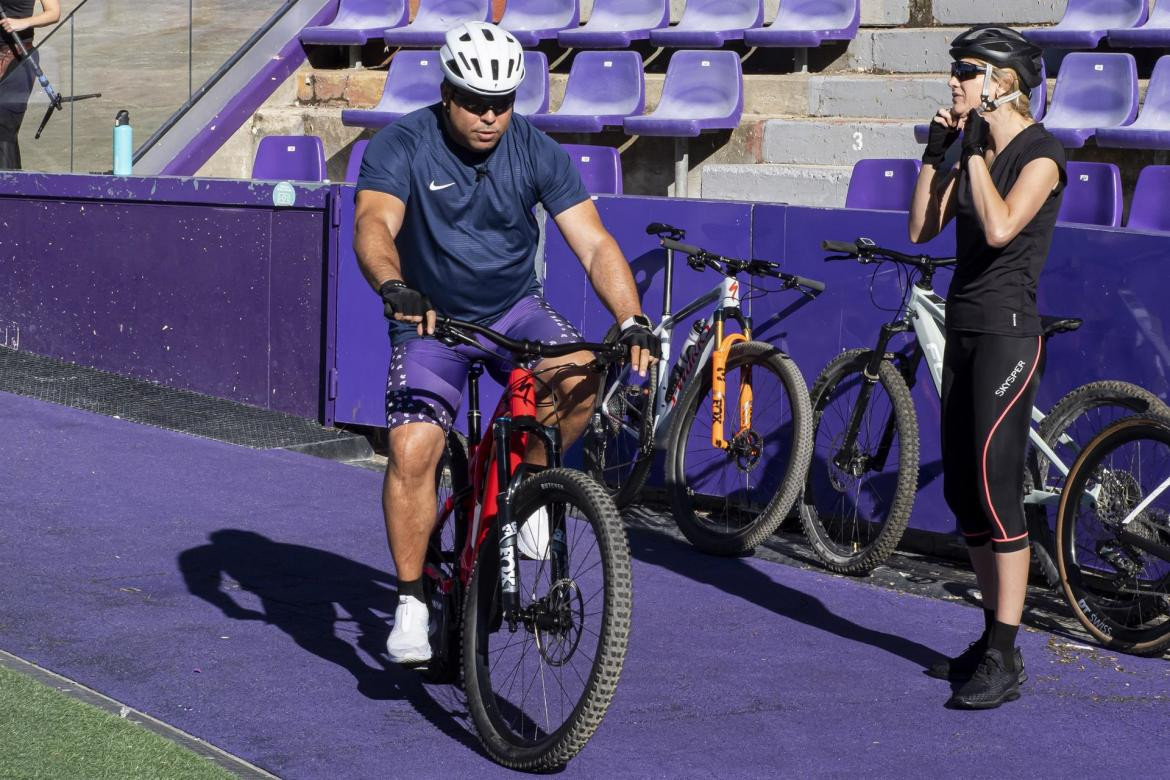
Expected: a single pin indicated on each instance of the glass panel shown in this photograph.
(145, 57)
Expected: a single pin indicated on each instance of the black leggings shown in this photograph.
(988, 387)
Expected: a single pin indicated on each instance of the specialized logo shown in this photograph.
(1011, 378)
(436, 187)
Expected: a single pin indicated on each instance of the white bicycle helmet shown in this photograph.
(483, 59)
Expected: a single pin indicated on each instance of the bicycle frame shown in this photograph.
(925, 314)
(726, 300)
(493, 479)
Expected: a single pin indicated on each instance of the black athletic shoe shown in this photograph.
(991, 685)
(962, 667)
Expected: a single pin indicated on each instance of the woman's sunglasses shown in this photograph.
(480, 105)
(965, 70)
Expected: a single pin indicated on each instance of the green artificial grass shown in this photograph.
(46, 734)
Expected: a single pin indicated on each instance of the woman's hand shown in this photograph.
(976, 135)
(14, 25)
(943, 130)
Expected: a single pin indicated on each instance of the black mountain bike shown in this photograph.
(1113, 536)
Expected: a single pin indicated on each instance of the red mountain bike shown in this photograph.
(539, 630)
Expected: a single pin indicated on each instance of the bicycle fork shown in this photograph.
(511, 435)
(719, 383)
(849, 458)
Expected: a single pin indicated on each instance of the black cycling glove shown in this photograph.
(976, 133)
(400, 299)
(638, 334)
(939, 138)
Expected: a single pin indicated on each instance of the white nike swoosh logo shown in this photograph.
(435, 187)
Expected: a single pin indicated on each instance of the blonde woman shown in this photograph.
(1004, 196)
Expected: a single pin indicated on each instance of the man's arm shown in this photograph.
(606, 267)
(604, 263)
(377, 220)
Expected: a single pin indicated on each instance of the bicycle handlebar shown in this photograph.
(733, 265)
(867, 251)
(524, 348)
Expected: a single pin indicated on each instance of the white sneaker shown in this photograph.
(410, 641)
(532, 540)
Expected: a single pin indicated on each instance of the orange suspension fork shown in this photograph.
(719, 387)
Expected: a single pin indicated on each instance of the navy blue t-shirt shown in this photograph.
(469, 236)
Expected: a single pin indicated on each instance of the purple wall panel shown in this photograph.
(844, 316)
(1116, 281)
(297, 342)
(363, 346)
(175, 292)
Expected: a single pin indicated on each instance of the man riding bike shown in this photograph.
(445, 223)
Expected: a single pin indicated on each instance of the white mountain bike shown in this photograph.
(729, 489)
(864, 474)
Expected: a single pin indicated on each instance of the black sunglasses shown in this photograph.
(480, 105)
(965, 70)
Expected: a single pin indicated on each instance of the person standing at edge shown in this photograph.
(444, 222)
(1004, 196)
(16, 85)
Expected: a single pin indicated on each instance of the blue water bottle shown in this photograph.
(123, 144)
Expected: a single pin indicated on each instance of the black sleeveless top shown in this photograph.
(994, 289)
(19, 9)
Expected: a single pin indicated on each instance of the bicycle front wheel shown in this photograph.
(539, 682)
(619, 439)
(1113, 534)
(727, 501)
(860, 490)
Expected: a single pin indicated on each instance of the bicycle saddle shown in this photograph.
(1054, 325)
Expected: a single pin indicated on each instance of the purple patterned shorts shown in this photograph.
(427, 378)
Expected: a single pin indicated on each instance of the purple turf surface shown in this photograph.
(262, 639)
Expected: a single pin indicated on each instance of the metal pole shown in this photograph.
(682, 166)
(190, 47)
(800, 60)
(72, 88)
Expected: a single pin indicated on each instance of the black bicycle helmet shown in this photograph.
(1004, 48)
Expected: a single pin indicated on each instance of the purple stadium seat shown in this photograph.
(1147, 210)
(531, 21)
(600, 168)
(1039, 103)
(532, 97)
(613, 24)
(1152, 128)
(1086, 22)
(603, 89)
(354, 166)
(1155, 32)
(358, 21)
(708, 23)
(886, 185)
(808, 23)
(411, 83)
(703, 90)
(292, 157)
(434, 18)
(1093, 194)
(1092, 90)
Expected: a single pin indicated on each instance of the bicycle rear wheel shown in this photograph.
(1076, 418)
(440, 567)
(539, 685)
(858, 497)
(1113, 550)
(728, 501)
(619, 438)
